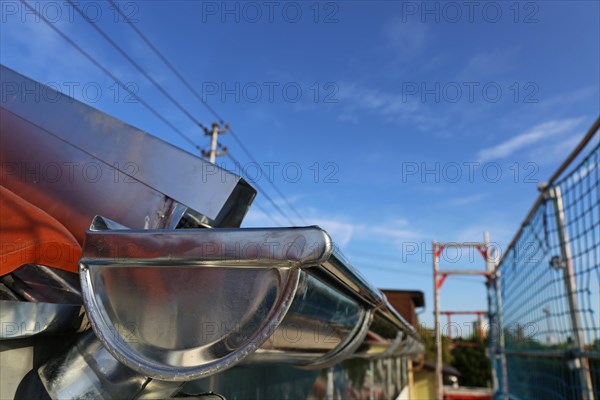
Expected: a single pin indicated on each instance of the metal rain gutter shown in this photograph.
(178, 305)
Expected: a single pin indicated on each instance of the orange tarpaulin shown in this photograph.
(28, 235)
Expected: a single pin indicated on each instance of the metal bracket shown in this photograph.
(558, 263)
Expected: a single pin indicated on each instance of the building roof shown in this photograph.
(417, 296)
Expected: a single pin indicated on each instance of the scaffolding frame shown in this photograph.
(440, 276)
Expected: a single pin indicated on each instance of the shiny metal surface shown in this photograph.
(248, 247)
(181, 322)
(159, 390)
(20, 319)
(410, 347)
(37, 299)
(343, 272)
(88, 371)
(37, 283)
(16, 360)
(353, 379)
(390, 336)
(165, 303)
(7, 294)
(185, 304)
(383, 337)
(85, 163)
(321, 327)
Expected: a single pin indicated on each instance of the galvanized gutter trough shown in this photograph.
(184, 304)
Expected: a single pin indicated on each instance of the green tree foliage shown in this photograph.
(428, 339)
(472, 362)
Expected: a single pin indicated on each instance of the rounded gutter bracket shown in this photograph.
(346, 348)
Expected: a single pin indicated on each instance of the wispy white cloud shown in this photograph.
(464, 200)
(492, 63)
(391, 232)
(50, 59)
(537, 134)
(406, 37)
(500, 231)
(348, 118)
(561, 101)
(341, 232)
(43, 56)
(392, 107)
(555, 151)
(341, 228)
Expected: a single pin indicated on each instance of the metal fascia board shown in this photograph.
(200, 185)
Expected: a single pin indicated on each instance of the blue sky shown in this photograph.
(408, 121)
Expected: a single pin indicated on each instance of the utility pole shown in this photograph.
(214, 133)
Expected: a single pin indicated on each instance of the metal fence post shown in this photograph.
(501, 346)
(496, 329)
(491, 337)
(330, 384)
(571, 293)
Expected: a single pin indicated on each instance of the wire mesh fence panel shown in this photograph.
(549, 283)
(581, 197)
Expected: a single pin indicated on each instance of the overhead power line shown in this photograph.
(404, 272)
(264, 211)
(189, 86)
(112, 76)
(178, 131)
(385, 257)
(166, 61)
(138, 98)
(289, 204)
(136, 65)
(255, 183)
(185, 111)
